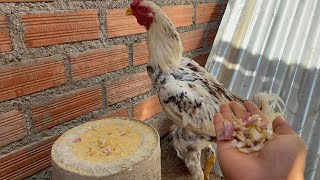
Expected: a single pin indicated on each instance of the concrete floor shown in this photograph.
(172, 167)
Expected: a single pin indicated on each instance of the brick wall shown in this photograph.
(65, 62)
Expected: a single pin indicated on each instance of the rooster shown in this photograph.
(189, 95)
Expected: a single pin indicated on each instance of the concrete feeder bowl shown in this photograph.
(108, 149)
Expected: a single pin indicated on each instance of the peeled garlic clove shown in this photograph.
(240, 133)
(258, 128)
(249, 142)
(234, 142)
(241, 137)
(244, 150)
(237, 127)
(253, 117)
(263, 140)
(243, 129)
(252, 123)
(259, 124)
(240, 145)
(254, 134)
(257, 147)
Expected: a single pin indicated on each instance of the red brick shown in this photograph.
(12, 127)
(148, 108)
(140, 53)
(5, 40)
(26, 0)
(119, 24)
(209, 12)
(45, 29)
(122, 112)
(201, 59)
(26, 161)
(65, 108)
(23, 79)
(179, 15)
(193, 40)
(128, 87)
(96, 62)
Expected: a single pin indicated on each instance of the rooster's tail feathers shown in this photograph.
(270, 104)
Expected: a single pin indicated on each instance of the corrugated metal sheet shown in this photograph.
(274, 45)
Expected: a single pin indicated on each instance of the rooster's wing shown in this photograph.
(189, 105)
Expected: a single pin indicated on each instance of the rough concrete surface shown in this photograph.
(172, 167)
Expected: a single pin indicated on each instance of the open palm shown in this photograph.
(281, 158)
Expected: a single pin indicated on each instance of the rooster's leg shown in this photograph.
(188, 146)
(192, 161)
(209, 162)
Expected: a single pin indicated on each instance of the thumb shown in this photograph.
(281, 126)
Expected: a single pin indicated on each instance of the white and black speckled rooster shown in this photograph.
(189, 95)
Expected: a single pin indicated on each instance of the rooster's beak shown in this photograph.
(129, 11)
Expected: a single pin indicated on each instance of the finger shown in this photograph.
(253, 109)
(281, 126)
(238, 110)
(226, 112)
(218, 125)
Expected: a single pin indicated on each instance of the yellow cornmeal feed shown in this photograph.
(106, 143)
(111, 149)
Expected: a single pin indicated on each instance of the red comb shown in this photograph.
(135, 3)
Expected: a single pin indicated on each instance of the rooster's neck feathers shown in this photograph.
(164, 44)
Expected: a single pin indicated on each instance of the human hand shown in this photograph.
(281, 158)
